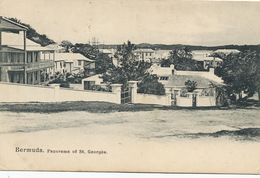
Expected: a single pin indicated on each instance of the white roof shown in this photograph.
(16, 41)
(161, 71)
(201, 51)
(202, 58)
(70, 57)
(106, 51)
(143, 50)
(205, 74)
(167, 71)
(227, 51)
(162, 53)
(93, 78)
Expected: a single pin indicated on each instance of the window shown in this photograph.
(79, 62)
(164, 78)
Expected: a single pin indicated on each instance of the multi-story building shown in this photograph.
(146, 55)
(22, 60)
(74, 63)
(205, 59)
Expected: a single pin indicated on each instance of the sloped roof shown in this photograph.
(162, 53)
(161, 71)
(202, 58)
(227, 51)
(201, 52)
(143, 50)
(70, 57)
(16, 41)
(179, 81)
(205, 74)
(8, 25)
(105, 51)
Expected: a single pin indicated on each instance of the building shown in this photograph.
(22, 60)
(226, 51)
(205, 60)
(146, 55)
(73, 63)
(174, 82)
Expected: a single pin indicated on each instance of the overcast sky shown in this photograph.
(150, 21)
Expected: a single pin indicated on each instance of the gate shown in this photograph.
(126, 96)
(194, 100)
(173, 99)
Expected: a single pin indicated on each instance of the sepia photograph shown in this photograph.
(144, 86)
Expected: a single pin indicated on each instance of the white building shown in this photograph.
(73, 63)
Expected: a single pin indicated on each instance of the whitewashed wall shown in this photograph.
(10, 92)
(206, 101)
(185, 101)
(150, 99)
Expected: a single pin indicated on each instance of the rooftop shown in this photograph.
(179, 81)
(202, 58)
(16, 41)
(9, 25)
(227, 51)
(147, 50)
(70, 57)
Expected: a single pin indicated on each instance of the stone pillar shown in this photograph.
(38, 77)
(56, 87)
(33, 78)
(116, 88)
(177, 91)
(168, 93)
(133, 89)
(25, 57)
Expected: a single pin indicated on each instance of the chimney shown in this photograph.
(172, 66)
(212, 70)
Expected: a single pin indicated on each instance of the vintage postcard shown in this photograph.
(130, 86)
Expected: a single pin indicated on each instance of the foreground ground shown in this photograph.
(150, 139)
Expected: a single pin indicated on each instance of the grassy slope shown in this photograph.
(89, 106)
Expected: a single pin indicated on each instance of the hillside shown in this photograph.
(180, 46)
(33, 35)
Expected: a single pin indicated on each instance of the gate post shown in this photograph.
(116, 88)
(168, 92)
(56, 91)
(133, 90)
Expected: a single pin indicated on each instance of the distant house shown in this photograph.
(73, 63)
(174, 82)
(146, 55)
(22, 60)
(204, 58)
(160, 55)
(56, 47)
(226, 51)
(89, 82)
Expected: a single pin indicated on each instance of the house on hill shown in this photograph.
(22, 60)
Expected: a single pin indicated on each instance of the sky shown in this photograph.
(141, 21)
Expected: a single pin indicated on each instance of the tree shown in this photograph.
(31, 34)
(102, 61)
(67, 45)
(130, 69)
(241, 72)
(190, 85)
(182, 60)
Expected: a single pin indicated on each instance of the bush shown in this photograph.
(62, 83)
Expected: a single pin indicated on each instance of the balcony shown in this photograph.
(40, 65)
